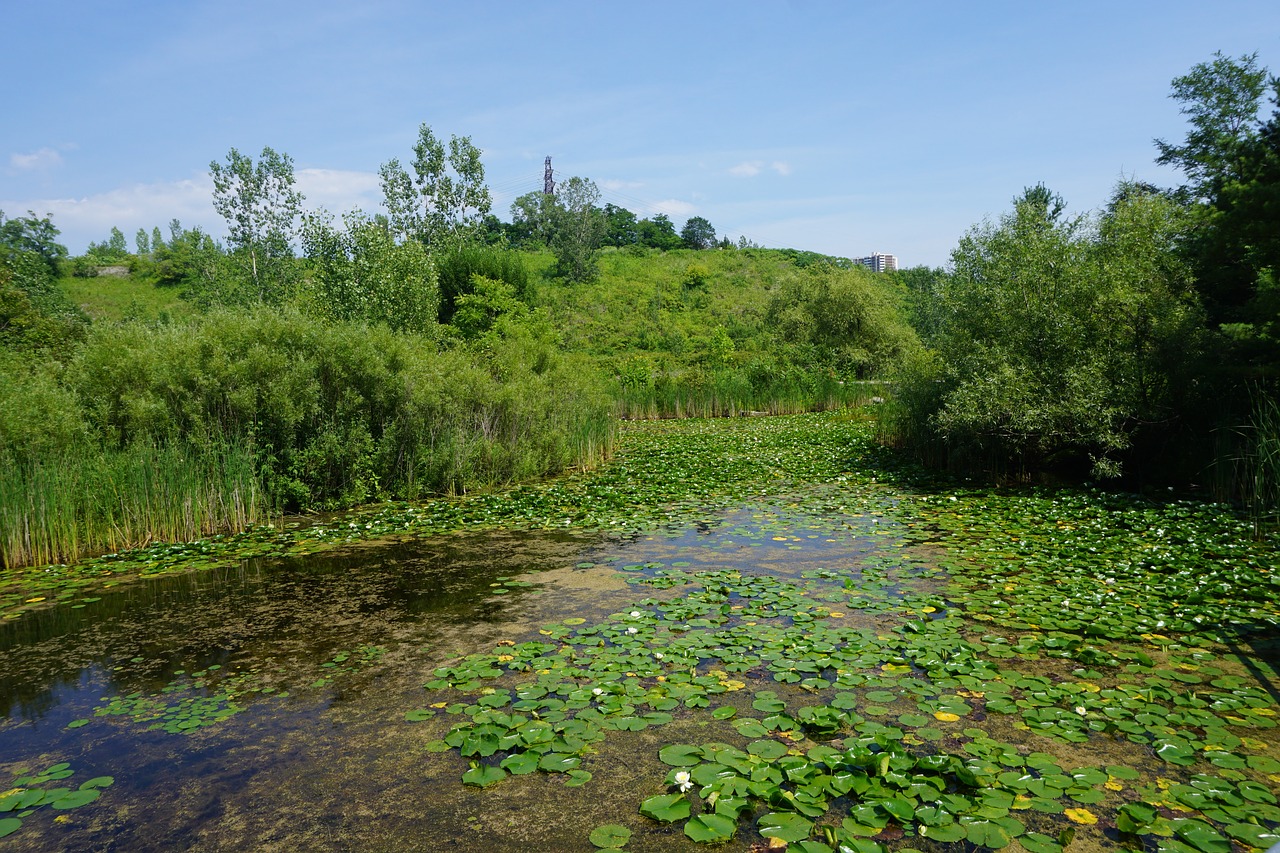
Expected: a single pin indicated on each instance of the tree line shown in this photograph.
(1143, 339)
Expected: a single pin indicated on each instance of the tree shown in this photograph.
(142, 242)
(362, 273)
(261, 208)
(698, 234)
(32, 234)
(1231, 158)
(620, 228)
(659, 233)
(579, 228)
(157, 239)
(1221, 98)
(446, 197)
(1060, 339)
(533, 217)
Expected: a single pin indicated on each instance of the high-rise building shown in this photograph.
(879, 262)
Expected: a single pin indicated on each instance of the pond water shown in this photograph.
(301, 703)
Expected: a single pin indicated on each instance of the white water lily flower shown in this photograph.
(683, 782)
(658, 655)
(1081, 710)
(598, 691)
(636, 614)
(633, 630)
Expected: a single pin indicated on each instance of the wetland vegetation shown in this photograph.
(459, 532)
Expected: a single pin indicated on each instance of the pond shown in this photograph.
(836, 661)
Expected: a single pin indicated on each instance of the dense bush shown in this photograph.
(338, 413)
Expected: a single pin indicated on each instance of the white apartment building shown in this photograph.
(879, 262)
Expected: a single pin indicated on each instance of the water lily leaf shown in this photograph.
(419, 714)
(483, 775)
(711, 828)
(98, 782)
(767, 749)
(610, 835)
(680, 755)
(556, 762)
(945, 832)
(1253, 835)
(1202, 837)
(724, 712)
(577, 778)
(784, 826)
(521, 763)
(665, 807)
(1035, 842)
(9, 825)
(75, 799)
(987, 833)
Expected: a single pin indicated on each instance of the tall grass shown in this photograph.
(1247, 469)
(60, 508)
(730, 392)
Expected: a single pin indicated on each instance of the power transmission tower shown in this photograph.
(548, 183)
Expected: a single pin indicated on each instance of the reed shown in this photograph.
(57, 510)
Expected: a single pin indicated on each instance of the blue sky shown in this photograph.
(839, 127)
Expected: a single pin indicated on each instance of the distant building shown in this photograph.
(879, 262)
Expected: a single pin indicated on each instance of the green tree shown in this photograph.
(578, 231)
(698, 234)
(1060, 339)
(446, 197)
(533, 218)
(157, 239)
(361, 272)
(621, 226)
(1221, 99)
(659, 233)
(116, 243)
(142, 242)
(34, 234)
(261, 207)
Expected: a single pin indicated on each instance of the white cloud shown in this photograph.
(338, 190)
(748, 169)
(781, 167)
(615, 185)
(45, 158)
(674, 207)
(90, 219)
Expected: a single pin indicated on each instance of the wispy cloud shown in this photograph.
(45, 158)
(781, 167)
(615, 185)
(338, 190)
(674, 207)
(747, 169)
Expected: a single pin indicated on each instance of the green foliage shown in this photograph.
(1061, 336)
(578, 229)
(460, 263)
(191, 261)
(698, 233)
(361, 273)
(445, 200)
(261, 207)
(1221, 99)
(489, 301)
(842, 319)
(337, 414)
(658, 233)
(32, 234)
